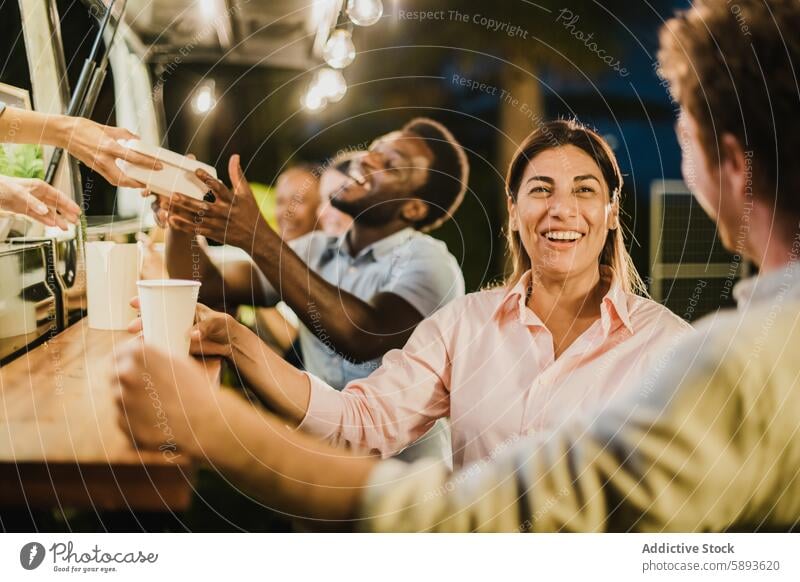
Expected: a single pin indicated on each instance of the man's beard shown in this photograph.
(374, 209)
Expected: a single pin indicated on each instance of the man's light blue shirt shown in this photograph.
(412, 265)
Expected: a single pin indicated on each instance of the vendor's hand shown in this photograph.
(233, 218)
(165, 403)
(38, 200)
(97, 147)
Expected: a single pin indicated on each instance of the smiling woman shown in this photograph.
(564, 175)
(564, 336)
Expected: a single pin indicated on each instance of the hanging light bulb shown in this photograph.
(331, 84)
(364, 12)
(314, 99)
(339, 51)
(208, 8)
(204, 99)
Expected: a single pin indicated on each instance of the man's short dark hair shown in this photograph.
(448, 175)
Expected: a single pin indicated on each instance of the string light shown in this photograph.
(313, 99)
(204, 99)
(364, 12)
(331, 84)
(339, 51)
(208, 8)
(328, 84)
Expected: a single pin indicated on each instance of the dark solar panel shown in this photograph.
(695, 297)
(688, 235)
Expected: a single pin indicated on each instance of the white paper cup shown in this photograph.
(167, 307)
(111, 273)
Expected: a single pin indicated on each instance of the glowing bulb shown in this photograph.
(204, 99)
(208, 8)
(314, 100)
(331, 84)
(339, 51)
(364, 12)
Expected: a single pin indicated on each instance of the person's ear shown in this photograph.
(735, 167)
(612, 216)
(513, 216)
(414, 210)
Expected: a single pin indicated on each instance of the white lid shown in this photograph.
(168, 283)
(168, 157)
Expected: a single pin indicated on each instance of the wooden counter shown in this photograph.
(60, 445)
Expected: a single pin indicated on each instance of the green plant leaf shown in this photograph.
(5, 168)
(28, 161)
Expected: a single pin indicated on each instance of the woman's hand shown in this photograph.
(93, 144)
(269, 375)
(214, 333)
(97, 146)
(38, 200)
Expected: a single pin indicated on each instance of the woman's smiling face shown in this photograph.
(563, 212)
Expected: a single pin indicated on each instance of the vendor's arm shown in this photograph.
(93, 144)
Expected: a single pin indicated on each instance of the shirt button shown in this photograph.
(352, 270)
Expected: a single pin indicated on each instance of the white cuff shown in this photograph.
(324, 415)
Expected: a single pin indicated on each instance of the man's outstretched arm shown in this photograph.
(359, 330)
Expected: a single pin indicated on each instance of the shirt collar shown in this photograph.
(616, 299)
(760, 288)
(376, 250)
(613, 308)
(513, 302)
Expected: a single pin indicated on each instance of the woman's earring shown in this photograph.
(611, 217)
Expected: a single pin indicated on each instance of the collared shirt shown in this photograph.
(487, 362)
(708, 441)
